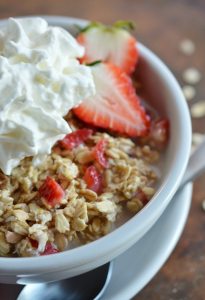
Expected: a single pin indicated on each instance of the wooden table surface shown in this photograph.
(161, 25)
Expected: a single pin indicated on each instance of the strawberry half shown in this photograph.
(110, 44)
(115, 105)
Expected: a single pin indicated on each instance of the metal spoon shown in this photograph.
(88, 286)
(92, 285)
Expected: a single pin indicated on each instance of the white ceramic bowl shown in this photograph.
(165, 95)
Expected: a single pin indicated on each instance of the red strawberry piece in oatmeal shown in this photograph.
(51, 192)
(74, 139)
(99, 153)
(142, 197)
(93, 179)
(49, 249)
(34, 243)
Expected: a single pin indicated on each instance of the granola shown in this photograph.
(28, 224)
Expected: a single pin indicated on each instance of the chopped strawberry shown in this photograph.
(110, 44)
(142, 197)
(93, 179)
(34, 243)
(51, 191)
(49, 249)
(99, 153)
(115, 105)
(76, 138)
(159, 133)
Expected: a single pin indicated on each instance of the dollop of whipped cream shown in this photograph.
(41, 79)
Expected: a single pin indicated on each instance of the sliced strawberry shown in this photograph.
(51, 191)
(115, 105)
(109, 44)
(99, 153)
(49, 249)
(93, 179)
(76, 138)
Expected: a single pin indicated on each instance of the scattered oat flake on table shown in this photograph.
(197, 139)
(187, 47)
(198, 109)
(191, 76)
(189, 92)
(203, 205)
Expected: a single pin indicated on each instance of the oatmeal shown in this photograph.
(86, 208)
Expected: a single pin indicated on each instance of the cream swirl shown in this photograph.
(40, 81)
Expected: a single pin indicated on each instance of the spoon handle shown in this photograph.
(196, 164)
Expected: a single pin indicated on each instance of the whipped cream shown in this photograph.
(40, 81)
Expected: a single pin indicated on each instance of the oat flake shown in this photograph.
(191, 76)
(198, 109)
(197, 138)
(187, 47)
(189, 92)
(203, 205)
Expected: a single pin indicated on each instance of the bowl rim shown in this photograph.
(88, 253)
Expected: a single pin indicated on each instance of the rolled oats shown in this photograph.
(24, 248)
(12, 237)
(4, 181)
(39, 214)
(134, 205)
(20, 214)
(4, 245)
(149, 191)
(197, 139)
(203, 205)
(61, 241)
(189, 92)
(39, 233)
(187, 47)
(84, 156)
(198, 109)
(88, 194)
(78, 224)
(108, 208)
(62, 224)
(191, 76)
(82, 215)
(20, 227)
